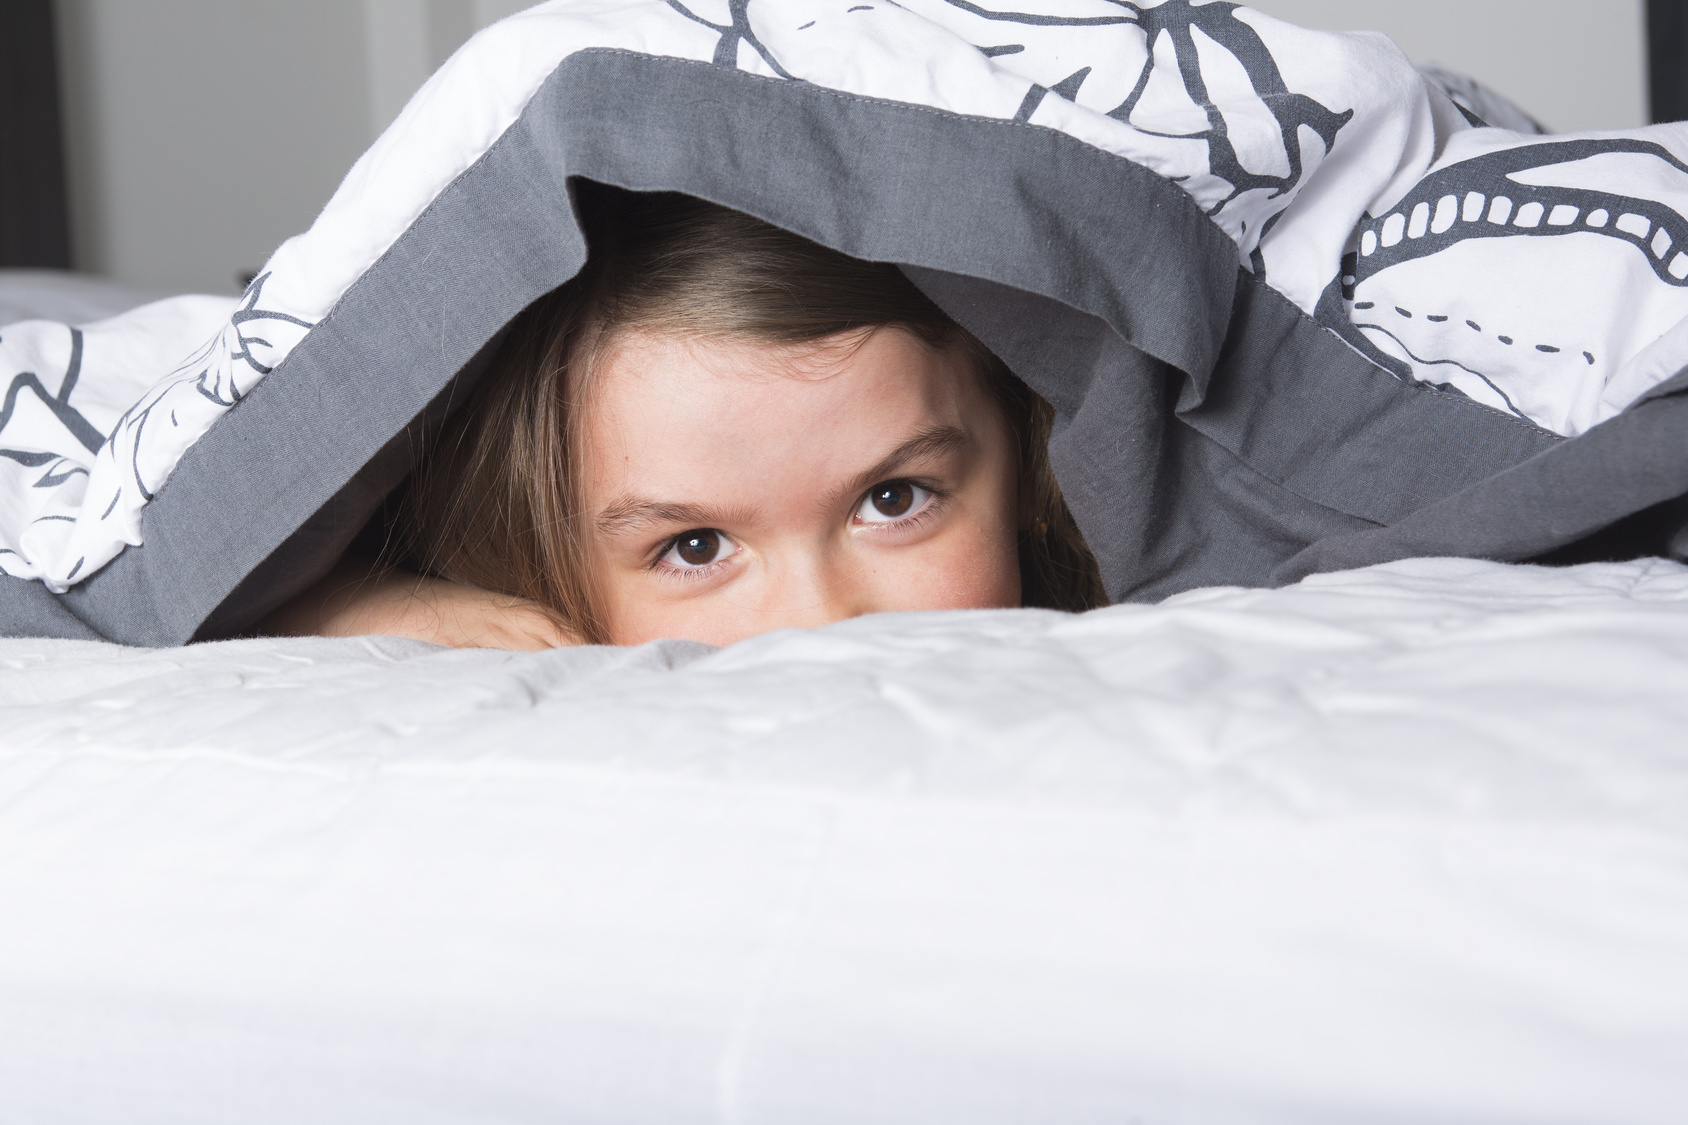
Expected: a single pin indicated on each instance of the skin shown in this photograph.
(730, 487)
(353, 602)
(776, 450)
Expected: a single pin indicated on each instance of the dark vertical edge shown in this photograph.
(34, 212)
(1667, 60)
(79, 130)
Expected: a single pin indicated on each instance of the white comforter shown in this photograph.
(1405, 844)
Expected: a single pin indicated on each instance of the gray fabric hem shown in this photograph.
(29, 609)
(1294, 401)
(1623, 466)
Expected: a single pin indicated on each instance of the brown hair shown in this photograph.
(495, 502)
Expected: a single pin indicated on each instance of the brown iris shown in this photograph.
(697, 548)
(893, 498)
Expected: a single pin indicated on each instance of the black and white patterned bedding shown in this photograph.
(1296, 308)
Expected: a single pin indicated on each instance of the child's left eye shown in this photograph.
(697, 549)
(892, 500)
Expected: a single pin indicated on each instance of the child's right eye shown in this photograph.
(892, 501)
(697, 548)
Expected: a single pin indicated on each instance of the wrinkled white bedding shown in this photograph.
(1402, 844)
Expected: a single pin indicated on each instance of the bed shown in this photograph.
(64, 295)
(1407, 843)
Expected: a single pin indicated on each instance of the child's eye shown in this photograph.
(698, 547)
(892, 500)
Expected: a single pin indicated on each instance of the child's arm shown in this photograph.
(353, 601)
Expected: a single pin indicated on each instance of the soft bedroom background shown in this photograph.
(289, 94)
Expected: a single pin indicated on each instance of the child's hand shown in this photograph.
(353, 602)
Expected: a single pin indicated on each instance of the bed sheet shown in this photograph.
(1400, 844)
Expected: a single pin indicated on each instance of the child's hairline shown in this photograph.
(583, 360)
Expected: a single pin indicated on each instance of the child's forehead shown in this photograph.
(682, 404)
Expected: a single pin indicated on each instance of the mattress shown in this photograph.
(1400, 844)
(74, 298)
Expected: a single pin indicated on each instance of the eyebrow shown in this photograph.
(930, 442)
(632, 512)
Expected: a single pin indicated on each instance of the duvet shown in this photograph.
(1297, 305)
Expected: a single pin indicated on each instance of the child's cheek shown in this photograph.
(635, 616)
(970, 577)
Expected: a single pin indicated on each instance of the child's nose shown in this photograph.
(814, 592)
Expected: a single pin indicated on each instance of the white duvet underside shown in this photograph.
(1405, 844)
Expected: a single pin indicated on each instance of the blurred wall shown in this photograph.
(201, 133)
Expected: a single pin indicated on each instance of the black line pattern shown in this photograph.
(67, 415)
(60, 473)
(221, 372)
(248, 313)
(1178, 19)
(1540, 320)
(1479, 105)
(1291, 110)
(1510, 406)
(1479, 198)
(215, 380)
(1067, 88)
(732, 34)
(1032, 20)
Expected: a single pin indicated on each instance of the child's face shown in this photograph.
(733, 488)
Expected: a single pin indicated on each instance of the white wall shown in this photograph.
(201, 133)
(204, 132)
(1571, 64)
(408, 40)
